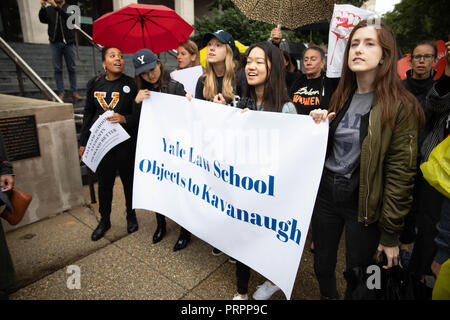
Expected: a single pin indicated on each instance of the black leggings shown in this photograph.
(243, 276)
(119, 158)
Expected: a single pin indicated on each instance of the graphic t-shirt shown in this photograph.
(309, 94)
(345, 156)
(103, 95)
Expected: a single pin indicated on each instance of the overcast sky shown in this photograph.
(384, 6)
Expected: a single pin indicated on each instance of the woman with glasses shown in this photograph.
(425, 213)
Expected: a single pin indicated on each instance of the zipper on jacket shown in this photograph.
(411, 139)
(56, 26)
(368, 167)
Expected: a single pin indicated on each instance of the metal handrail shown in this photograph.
(88, 37)
(22, 66)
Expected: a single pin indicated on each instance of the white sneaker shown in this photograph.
(238, 297)
(265, 291)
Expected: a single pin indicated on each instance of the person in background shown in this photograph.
(113, 91)
(152, 76)
(314, 89)
(265, 92)
(434, 97)
(370, 162)
(292, 71)
(187, 55)
(276, 36)
(54, 13)
(7, 274)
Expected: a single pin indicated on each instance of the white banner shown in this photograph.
(345, 18)
(104, 136)
(245, 183)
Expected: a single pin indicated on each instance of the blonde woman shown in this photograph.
(217, 83)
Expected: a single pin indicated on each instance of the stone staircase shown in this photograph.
(39, 58)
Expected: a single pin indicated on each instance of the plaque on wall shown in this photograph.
(20, 137)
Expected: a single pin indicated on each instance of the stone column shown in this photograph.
(117, 4)
(32, 29)
(185, 9)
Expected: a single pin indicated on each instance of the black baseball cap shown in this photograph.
(223, 37)
(144, 60)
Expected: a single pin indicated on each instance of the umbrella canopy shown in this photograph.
(138, 26)
(289, 13)
(239, 46)
(319, 25)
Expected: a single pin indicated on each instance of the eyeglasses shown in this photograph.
(427, 56)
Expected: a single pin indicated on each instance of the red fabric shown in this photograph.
(139, 26)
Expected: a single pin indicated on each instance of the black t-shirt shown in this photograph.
(309, 94)
(103, 95)
(201, 85)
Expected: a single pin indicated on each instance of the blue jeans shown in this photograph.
(337, 208)
(59, 49)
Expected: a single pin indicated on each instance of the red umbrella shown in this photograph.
(138, 26)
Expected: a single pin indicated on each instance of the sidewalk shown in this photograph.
(122, 266)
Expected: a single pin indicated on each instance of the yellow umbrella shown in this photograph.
(239, 45)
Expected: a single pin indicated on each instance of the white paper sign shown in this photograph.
(345, 18)
(246, 183)
(104, 136)
(188, 77)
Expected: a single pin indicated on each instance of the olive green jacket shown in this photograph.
(387, 170)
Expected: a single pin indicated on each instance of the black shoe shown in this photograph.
(101, 229)
(132, 224)
(159, 233)
(181, 243)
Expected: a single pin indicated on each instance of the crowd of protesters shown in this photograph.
(380, 131)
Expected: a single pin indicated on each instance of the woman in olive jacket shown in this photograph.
(370, 165)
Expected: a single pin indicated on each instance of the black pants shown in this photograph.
(429, 204)
(120, 158)
(243, 276)
(160, 219)
(337, 207)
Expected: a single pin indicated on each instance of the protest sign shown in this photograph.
(246, 183)
(345, 18)
(104, 136)
(188, 77)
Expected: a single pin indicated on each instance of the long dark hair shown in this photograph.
(388, 88)
(275, 91)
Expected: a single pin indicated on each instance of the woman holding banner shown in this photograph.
(112, 91)
(217, 84)
(264, 69)
(151, 76)
(370, 164)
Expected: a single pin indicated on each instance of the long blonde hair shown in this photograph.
(210, 88)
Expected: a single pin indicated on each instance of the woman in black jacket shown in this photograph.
(113, 91)
(151, 76)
